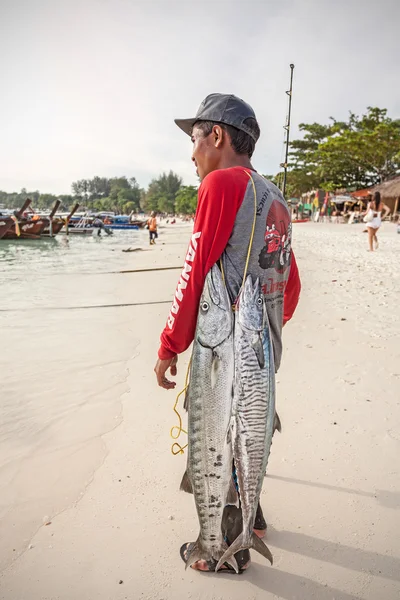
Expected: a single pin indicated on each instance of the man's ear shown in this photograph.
(218, 135)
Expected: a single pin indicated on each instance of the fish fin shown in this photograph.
(215, 369)
(231, 562)
(232, 497)
(259, 350)
(186, 484)
(277, 423)
(230, 552)
(198, 552)
(238, 545)
(259, 546)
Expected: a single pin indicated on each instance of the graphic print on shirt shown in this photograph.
(278, 239)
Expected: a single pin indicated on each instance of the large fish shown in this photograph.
(253, 413)
(209, 399)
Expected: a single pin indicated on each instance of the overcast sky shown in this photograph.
(91, 87)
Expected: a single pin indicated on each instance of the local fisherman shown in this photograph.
(236, 207)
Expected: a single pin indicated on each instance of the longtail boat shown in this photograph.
(60, 221)
(6, 222)
(67, 220)
(139, 223)
(11, 221)
(56, 223)
(80, 225)
(23, 227)
(48, 231)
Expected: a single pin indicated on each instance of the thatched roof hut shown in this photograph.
(390, 193)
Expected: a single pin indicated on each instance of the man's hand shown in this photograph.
(161, 368)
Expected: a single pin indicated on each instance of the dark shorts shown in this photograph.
(153, 235)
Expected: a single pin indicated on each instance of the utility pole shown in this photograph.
(287, 128)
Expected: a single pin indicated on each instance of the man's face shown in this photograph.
(205, 154)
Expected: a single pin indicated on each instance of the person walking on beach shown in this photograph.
(152, 225)
(224, 133)
(374, 219)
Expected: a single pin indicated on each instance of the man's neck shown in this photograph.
(236, 160)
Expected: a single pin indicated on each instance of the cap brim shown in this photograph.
(186, 124)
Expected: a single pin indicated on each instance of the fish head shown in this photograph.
(251, 306)
(215, 319)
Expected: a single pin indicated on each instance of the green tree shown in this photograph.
(81, 189)
(353, 154)
(45, 201)
(186, 200)
(365, 153)
(129, 207)
(99, 187)
(109, 194)
(162, 192)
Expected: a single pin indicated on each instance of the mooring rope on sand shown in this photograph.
(86, 307)
(149, 269)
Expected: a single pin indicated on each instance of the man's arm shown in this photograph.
(292, 291)
(220, 197)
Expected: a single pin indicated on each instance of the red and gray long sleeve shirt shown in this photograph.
(222, 230)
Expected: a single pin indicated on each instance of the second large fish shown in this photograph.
(253, 410)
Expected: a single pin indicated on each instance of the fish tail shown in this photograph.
(231, 550)
(198, 552)
(231, 561)
(239, 545)
(259, 546)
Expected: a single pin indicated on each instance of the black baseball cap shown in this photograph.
(222, 108)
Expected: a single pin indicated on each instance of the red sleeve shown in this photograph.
(292, 291)
(219, 199)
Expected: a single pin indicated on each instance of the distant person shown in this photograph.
(374, 220)
(152, 225)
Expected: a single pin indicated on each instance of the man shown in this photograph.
(152, 225)
(224, 133)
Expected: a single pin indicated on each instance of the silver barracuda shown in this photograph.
(253, 412)
(209, 400)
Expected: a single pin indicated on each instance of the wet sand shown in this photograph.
(332, 495)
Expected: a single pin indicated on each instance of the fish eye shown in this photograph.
(205, 306)
(259, 301)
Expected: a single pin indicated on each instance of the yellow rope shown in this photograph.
(17, 229)
(177, 448)
(253, 228)
(250, 241)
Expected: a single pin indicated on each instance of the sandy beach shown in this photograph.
(102, 474)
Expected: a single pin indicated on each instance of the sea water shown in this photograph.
(64, 350)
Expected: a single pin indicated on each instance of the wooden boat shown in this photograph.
(80, 226)
(25, 227)
(11, 221)
(6, 222)
(122, 222)
(138, 223)
(48, 231)
(57, 223)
